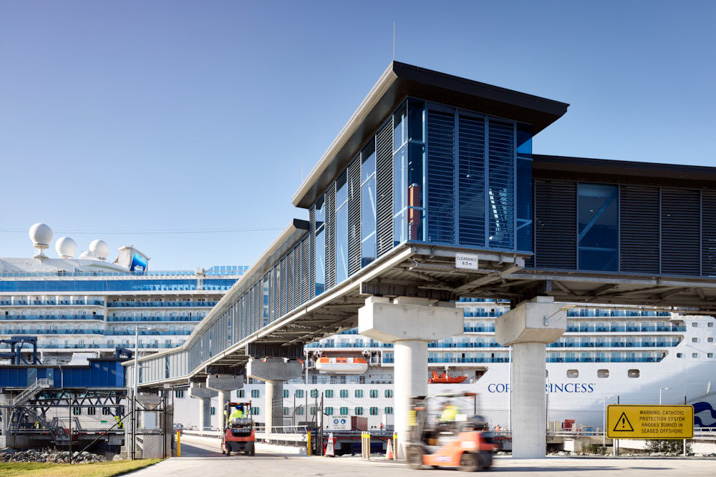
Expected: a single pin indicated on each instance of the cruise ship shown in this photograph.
(94, 304)
(608, 355)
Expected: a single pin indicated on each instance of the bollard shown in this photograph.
(178, 444)
(308, 442)
(395, 446)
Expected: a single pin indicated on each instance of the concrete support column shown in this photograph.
(224, 397)
(274, 403)
(273, 371)
(528, 328)
(205, 413)
(223, 384)
(408, 323)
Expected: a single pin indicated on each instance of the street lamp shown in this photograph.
(604, 430)
(661, 389)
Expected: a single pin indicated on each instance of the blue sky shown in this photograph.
(122, 119)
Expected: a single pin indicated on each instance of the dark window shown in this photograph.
(320, 246)
(598, 231)
(368, 203)
(341, 228)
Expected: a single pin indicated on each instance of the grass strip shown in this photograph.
(100, 469)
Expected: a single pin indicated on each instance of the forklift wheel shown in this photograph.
(468, 462)
(484, 458)
(415, 457)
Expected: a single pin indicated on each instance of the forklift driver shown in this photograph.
(238, 413)
(449, 413)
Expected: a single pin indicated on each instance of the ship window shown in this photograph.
(373, 411)
(694, 355)
(710, 324)
(694, 325)
(389, 410)
(679, 355)
(106, 411)
(213, 411)
(286, 411)
(710, 339)
(314, 393)
(179, 394)
(329, 393)
(694, 340)
(344, 411)
(313, 410)
(298, 393)
(373, 393)
(359, 393)
(344, 394)
(633, 373)
(602, 373)
(389, 393)
(328, 411)
(573, 373)
(91, 411)
(358, 411)
(285, 393)
(255, 411)
(710, 355)
(240, 393)
(255, 393)
(546, 373)
(77, 411)
(299, 411)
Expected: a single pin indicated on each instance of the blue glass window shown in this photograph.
(341, 228)
(266, 301)
(501, 194)
(399, 128)
(524, 187)
(320, 246)
(368, 203)
(598, 217)
(416, 170)
(400, 196)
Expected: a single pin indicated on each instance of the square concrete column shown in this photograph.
(410, 324)
(528, 328)
(273, 371)
(199, 391)
(224, 384)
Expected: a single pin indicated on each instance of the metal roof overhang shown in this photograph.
(622, 172)
(401, 80)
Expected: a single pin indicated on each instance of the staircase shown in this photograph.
(31, 391)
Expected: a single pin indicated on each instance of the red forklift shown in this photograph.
(238, 432)
(446, 431)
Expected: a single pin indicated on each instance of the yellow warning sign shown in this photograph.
(650, 422)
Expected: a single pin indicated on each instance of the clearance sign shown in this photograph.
(650, 422)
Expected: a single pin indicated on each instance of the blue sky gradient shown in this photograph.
(120, 119)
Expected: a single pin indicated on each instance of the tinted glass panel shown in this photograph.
(342, 244)
(597, 209)
(400, 196)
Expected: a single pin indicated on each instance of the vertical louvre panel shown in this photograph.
(331, 237)
(501, 180)
(384, 187)
(708, 233)
(306, 270)
(354, 216)
(284, 287)
(471, 182)
(272, 294)
(312, 254)
(289, 282)
(639, 229)
(556, 224)
(680, 232)
(441, 177)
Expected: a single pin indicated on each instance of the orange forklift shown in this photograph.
(238, 429)
(445, 433)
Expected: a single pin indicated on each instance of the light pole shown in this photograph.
(604, 430)
(661, 389)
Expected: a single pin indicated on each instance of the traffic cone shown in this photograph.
(389, 452)
(330, 452)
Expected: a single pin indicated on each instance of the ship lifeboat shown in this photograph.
(342, 365)
(445, 378)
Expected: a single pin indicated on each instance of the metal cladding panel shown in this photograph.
(354, 229)
(284, 288)
(312, 254)
(384, 187)
(639, 229)
(708, 233)
(331, 237)
(556, 224)
(471, 180)
(306, 271)
(441, 177)
(680, 232)
(272, 294)
(290, 282)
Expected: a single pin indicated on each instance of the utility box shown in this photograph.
(359, 423)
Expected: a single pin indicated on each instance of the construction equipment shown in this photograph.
(238, 431)
(445, 431)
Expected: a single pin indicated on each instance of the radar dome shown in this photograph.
(66, 247)
(99, 249)
(41, 235)
(86, 255)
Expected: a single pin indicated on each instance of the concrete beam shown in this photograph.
(273, 369)
(200, 391)
(539, 320)
(224, 382)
